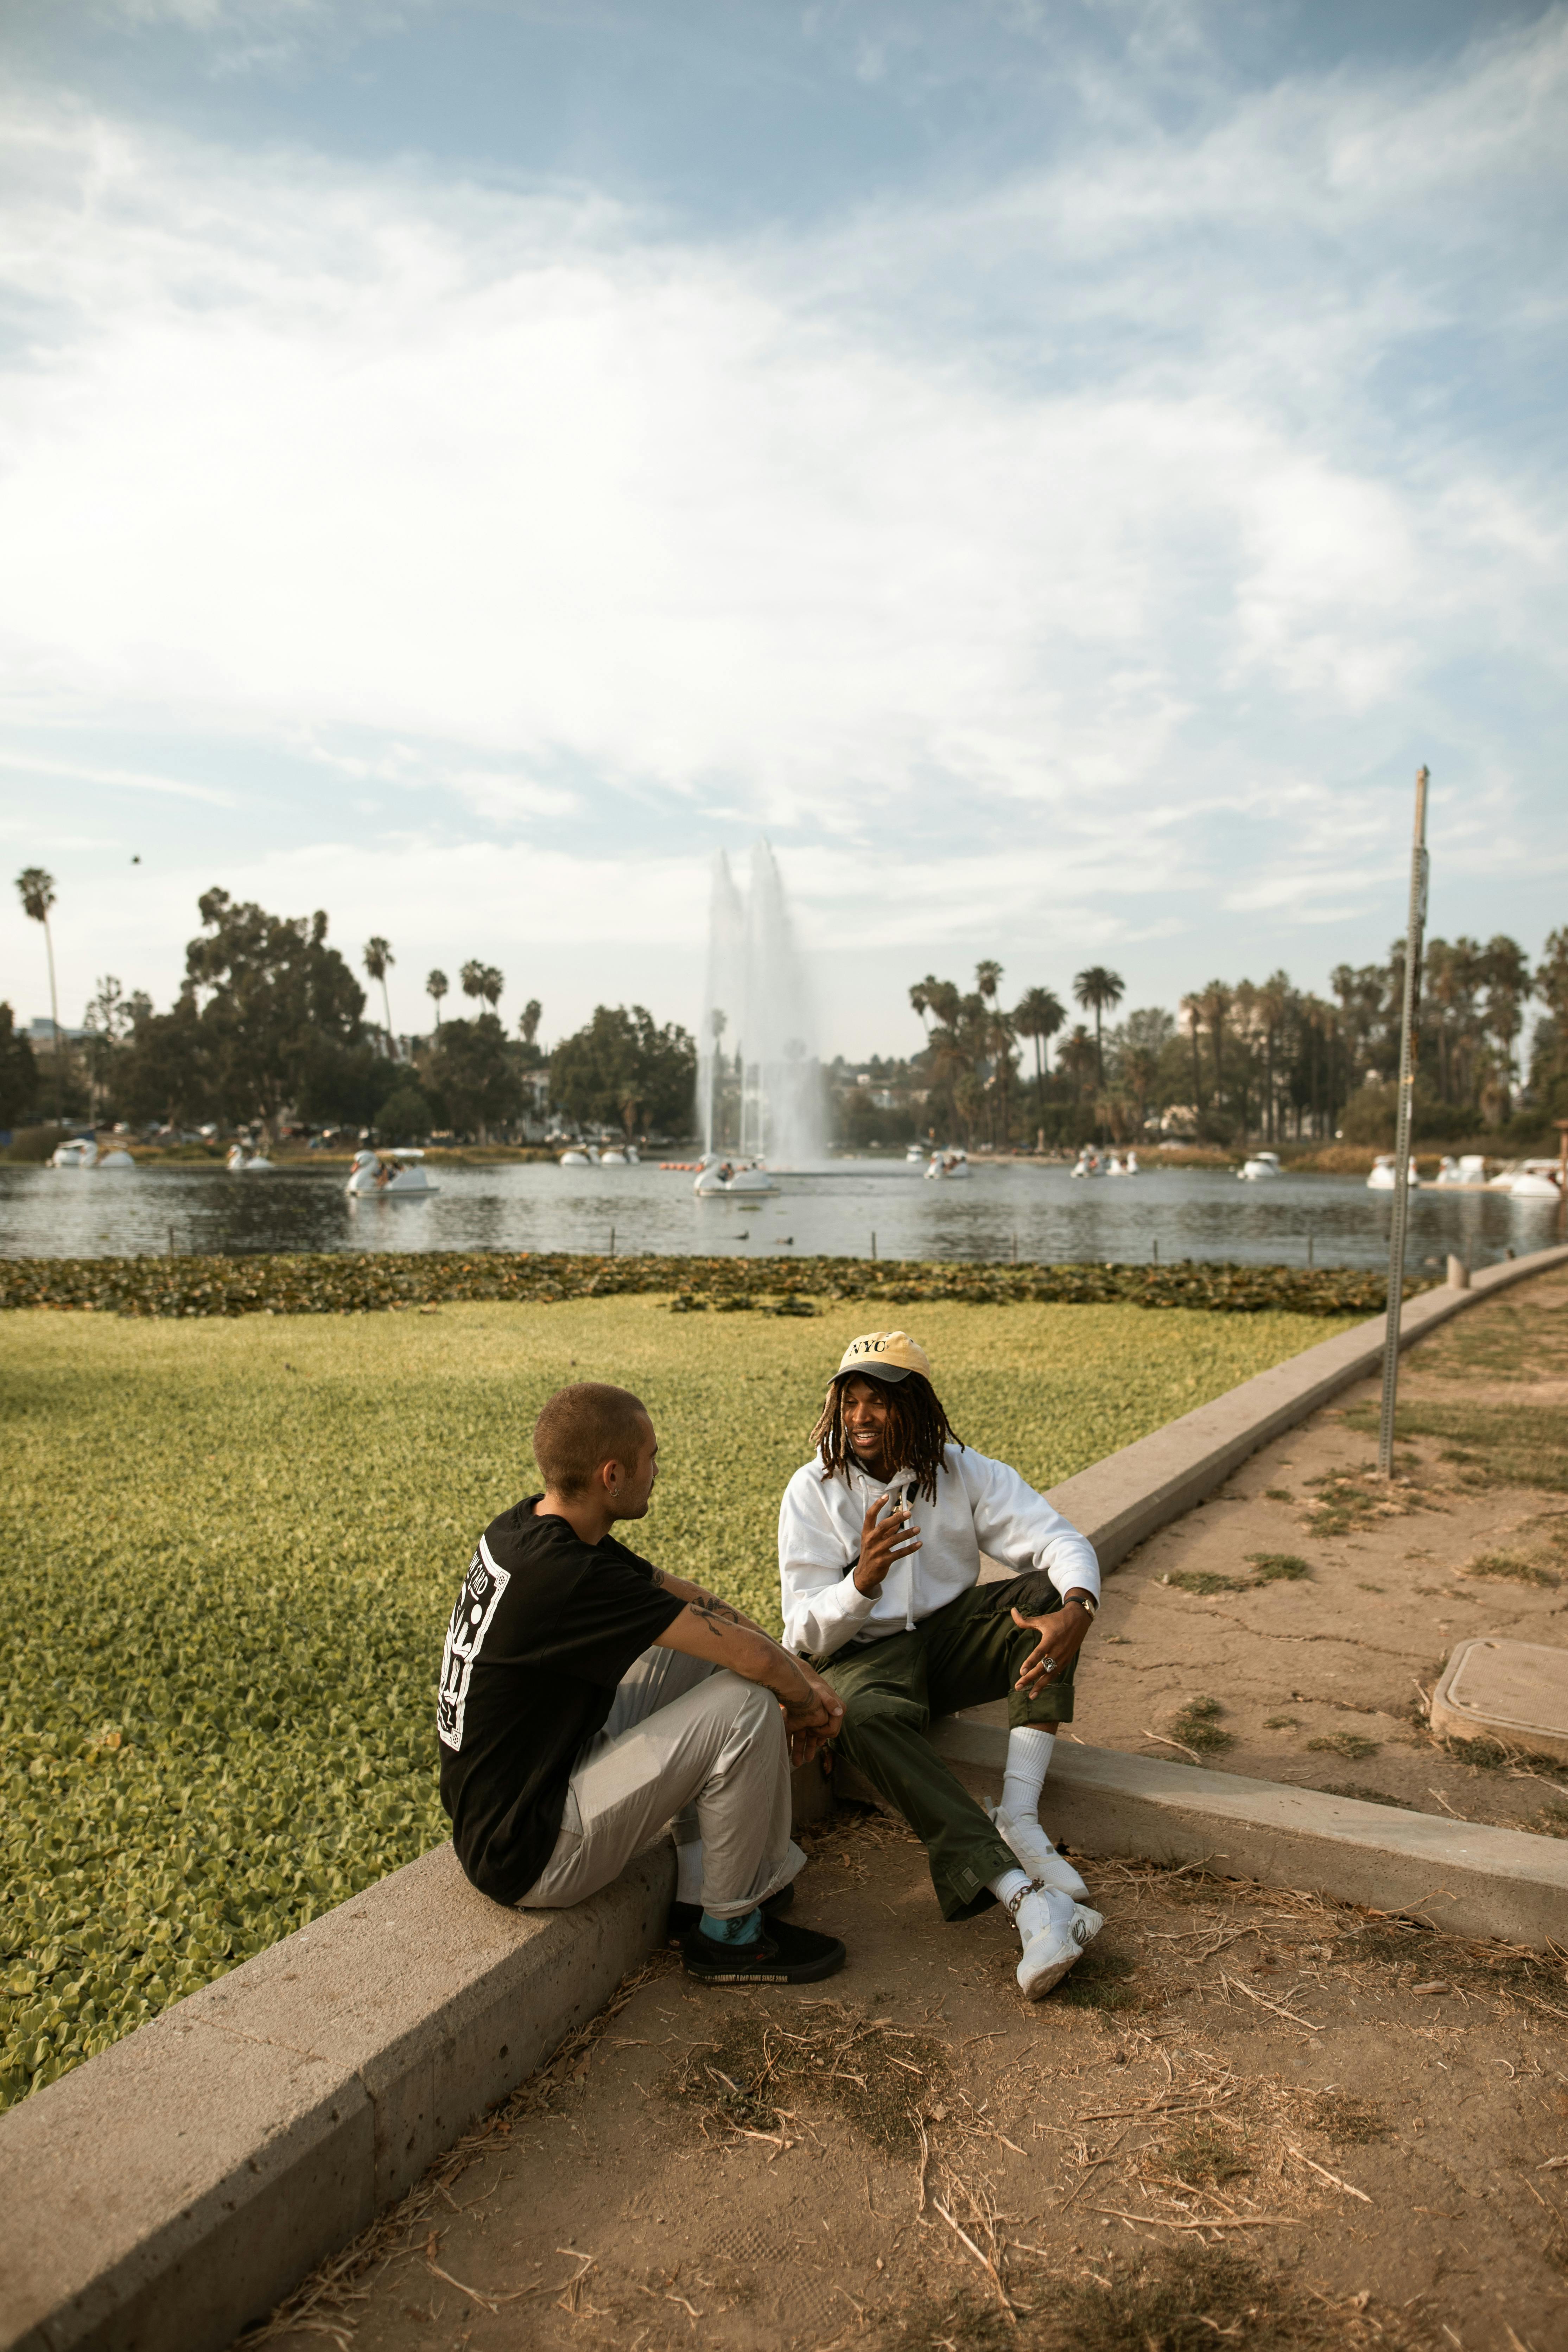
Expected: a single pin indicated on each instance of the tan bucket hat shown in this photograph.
(889, 1356)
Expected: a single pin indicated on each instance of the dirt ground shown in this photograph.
(1246, 2117)
(1292, 1627)
(1249, 2118)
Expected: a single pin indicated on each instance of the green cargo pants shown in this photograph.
(964, 1655)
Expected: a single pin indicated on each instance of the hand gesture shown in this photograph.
(1062, 1632)
(883, 1540)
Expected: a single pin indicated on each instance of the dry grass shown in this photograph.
(764, 2072)
(1362, 1792)
(1189, 2298)
(1521, 1339)
(1515, 1567)
(1197, 1727)
(1346, 1501)
(1277, 1567)
(1271, 1568)
(1354, 1746)
(1489, 1445)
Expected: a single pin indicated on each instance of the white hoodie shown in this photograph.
(980, 1505)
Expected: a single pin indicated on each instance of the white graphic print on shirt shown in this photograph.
(476, 1605)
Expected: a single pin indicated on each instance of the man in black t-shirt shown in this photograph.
(588, 1698)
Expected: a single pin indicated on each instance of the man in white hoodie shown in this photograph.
(881, 1535)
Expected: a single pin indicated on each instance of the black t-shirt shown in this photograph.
(543, 1629)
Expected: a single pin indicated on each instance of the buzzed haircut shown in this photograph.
(585, 1426)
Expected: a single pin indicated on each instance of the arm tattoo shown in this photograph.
(718, 1614)
(713, 1611)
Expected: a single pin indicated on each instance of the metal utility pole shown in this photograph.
(1419, 866)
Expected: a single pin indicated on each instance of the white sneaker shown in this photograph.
(1038, 1855)
(1049, 1924)
(1086, 1924)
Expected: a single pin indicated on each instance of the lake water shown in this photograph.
(1042, 1212)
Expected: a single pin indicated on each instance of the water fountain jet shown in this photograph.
(759, 1080)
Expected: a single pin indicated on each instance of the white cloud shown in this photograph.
(1039, 555)
(126, 779)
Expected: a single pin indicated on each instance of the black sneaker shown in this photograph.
(684, 1916)
(780, 1955)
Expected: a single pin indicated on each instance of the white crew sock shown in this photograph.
(688, 1871)
(1029, 1747)
(1008, 1882)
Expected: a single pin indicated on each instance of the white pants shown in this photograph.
(687, 1739)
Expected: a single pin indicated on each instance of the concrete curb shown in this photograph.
(169, 2192)
(1460, 1876)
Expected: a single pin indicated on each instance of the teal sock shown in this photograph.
(732, 1931)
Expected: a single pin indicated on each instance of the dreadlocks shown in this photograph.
(918, 1430)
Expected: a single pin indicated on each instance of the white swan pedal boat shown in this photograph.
(390, 1176)
(241, 1163)
(735, 1179)
(82, 1151)
(1535, 1180)
(1259, 1167)
(1384, 1177)
(949, 1166)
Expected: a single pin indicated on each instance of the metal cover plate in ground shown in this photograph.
(1513, 1692)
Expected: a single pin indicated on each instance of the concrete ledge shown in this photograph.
(167, 2193)
(1460, 1876)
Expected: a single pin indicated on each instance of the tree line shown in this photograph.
(1242, 1058)
(270, 1025)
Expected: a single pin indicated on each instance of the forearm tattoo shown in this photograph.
(711, 1610)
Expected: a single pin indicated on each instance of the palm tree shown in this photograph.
(1139, 1068)
(36, 891)
(1095, 990)
(1192, 1014)
(527, 1020)
(435, 987)
(1075, 1057)
(1039, 1014)
(993, 1044)
(1213, 1004)
(1000, 1039)
(483, 980)
(1274, 998)
(378, 955)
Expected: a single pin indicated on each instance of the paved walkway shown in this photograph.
(1314, 1609)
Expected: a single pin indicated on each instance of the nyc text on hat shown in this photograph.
(884, 1356)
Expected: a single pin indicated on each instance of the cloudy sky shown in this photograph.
(1056, 469)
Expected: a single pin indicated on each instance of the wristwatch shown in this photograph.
(1085, 1600)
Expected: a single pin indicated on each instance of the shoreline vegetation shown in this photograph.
(372, 1282)
(32, 1146)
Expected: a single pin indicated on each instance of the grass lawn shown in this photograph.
(230, 1548)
